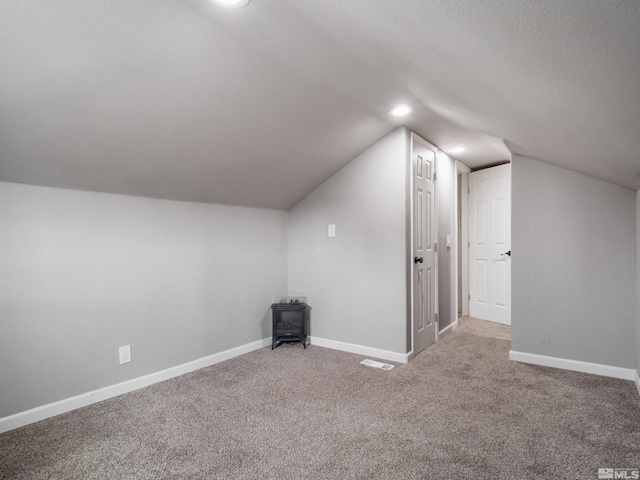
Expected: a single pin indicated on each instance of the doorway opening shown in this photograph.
(462, 240)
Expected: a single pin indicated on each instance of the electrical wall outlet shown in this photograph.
(125, 354)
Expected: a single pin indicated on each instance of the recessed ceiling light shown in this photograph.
(401, 111)
(457, 150)
(231, 3)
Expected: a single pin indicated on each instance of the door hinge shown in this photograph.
(435, 247)
(435, 176)
(437, 319)
(469, 297)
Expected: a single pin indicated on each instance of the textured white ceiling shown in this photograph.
(257, 106)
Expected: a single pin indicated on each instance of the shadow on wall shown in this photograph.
(265, 324)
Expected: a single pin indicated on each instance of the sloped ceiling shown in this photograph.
(257, 106)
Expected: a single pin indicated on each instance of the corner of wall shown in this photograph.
(446, 202)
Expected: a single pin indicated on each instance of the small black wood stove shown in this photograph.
(289, 321)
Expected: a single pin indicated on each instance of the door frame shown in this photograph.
(410, 244)
(461, 270)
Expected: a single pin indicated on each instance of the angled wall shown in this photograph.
(84, 273)
(573, 267)
(356, 282)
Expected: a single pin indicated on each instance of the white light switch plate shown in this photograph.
(331, 231)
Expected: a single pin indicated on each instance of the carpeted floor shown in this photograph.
(459, 410)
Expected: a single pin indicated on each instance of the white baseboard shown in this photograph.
(451, 325)
(52, 409)
(575, 365)
(637, 379)
(360, 349)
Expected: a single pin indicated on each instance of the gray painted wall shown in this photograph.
(84, 273)
(356, 283)
(637, 281)
(573, 273)
(446, 206)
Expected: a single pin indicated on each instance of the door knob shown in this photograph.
(418, 260)
(506, 253)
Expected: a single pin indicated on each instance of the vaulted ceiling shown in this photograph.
(257, 106)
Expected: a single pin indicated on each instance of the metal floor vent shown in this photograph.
(372, 363)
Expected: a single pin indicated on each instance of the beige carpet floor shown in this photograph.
(460, 410)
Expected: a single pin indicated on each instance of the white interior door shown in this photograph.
(424, 259)
(490, 244)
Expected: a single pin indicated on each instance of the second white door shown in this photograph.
(490, 244)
